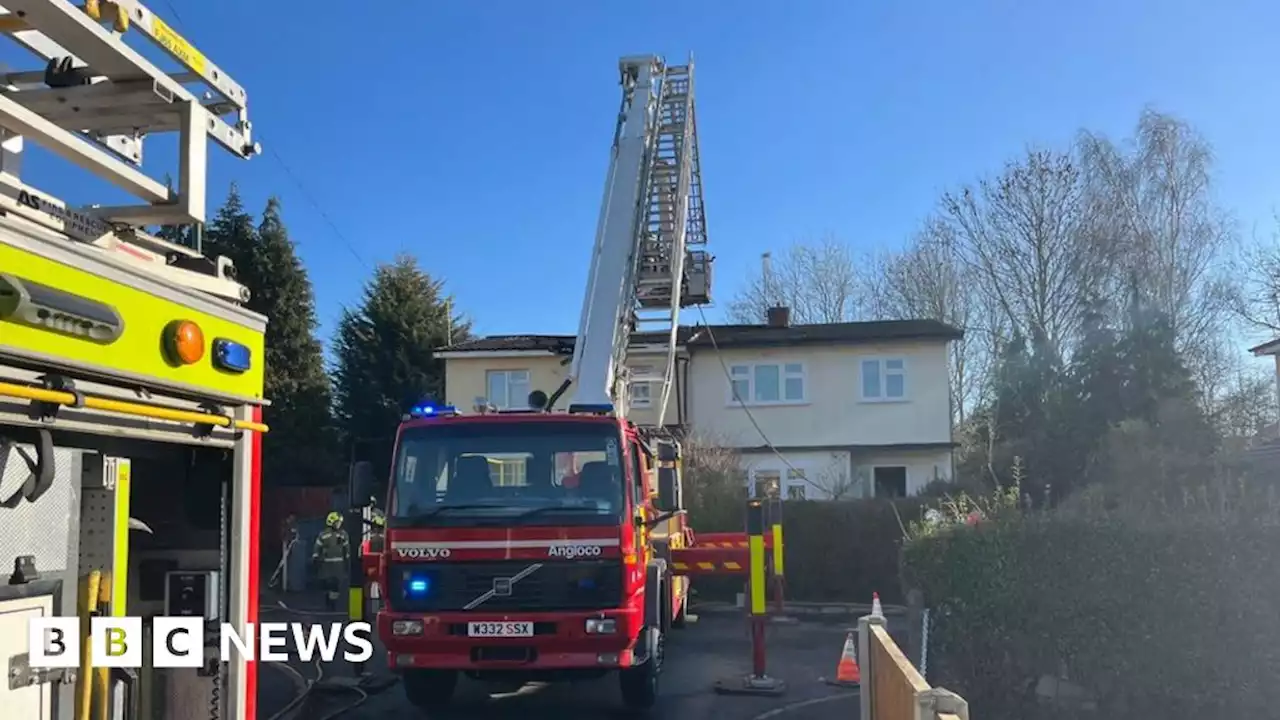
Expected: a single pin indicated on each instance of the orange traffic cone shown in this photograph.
(847, 671)
(876, 610)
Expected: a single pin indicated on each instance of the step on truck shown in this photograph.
(538, 544)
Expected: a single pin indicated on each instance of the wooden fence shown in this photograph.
(892, 688)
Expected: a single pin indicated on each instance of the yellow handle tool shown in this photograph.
(88, 602)
(102, 676)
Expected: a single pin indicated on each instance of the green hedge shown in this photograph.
(1169, 618)
(835, 551)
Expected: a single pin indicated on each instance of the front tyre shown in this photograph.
(430, 689)
(640, 684)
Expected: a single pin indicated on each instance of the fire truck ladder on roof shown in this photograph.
(93, 104)
(648, 261)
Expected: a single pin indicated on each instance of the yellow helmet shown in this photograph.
(334, 520)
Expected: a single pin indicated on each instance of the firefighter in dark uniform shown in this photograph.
(331, 556)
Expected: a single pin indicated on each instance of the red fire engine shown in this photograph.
(535, 544)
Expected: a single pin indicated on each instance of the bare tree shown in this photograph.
(929, 280)
(819, 282)
(1023, 236)
(1257, 300)
(1153, 205)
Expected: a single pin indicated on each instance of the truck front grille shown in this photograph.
(558, 585)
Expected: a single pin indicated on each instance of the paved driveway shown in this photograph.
(716, 646)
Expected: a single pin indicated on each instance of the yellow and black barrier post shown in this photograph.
(356, 578)
(758, 682)
(778, 577)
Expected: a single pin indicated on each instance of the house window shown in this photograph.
(641, 392)
(508, 389)
(796, 483)
(884, 379)
(765, 483)
(890, 482)
(767, 383)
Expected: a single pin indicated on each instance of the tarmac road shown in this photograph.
(715, 647)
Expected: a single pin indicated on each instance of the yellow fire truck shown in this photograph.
(131, 378)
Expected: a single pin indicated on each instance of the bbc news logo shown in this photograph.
(179, 642)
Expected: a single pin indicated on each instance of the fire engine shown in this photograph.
(543, 545)
(131, 378)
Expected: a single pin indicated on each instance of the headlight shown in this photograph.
(600, 626)
(406, 627)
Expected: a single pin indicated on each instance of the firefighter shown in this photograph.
(331, 556)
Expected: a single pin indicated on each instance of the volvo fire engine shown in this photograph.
(131, 378)
(542, 545)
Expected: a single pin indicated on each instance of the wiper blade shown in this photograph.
(561, 508)
(427, 514)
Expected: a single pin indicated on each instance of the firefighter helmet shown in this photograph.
(333, 521)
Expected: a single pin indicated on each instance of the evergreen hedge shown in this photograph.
(1169, 617)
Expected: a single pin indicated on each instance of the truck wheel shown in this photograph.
(429, 689)
(640, 684)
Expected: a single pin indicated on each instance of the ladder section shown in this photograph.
(672, 271)
(93, 100)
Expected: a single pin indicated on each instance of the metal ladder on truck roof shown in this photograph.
(93, 104)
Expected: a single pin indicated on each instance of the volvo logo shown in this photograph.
(428, 553)
(502, 587)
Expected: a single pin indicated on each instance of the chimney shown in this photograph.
(778, 316)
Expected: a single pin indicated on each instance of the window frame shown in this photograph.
(731, 399)
(882, 362)
(647, 400)
(488, 386)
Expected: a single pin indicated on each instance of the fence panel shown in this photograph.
(895, 682)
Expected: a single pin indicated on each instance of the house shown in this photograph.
(1265, 449)
(818, 411)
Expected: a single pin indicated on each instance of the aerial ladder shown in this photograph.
(649, 259)
(131, 374)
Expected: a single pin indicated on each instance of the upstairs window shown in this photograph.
(641, 392)
(884, 379)
(767, 384)
(508, 389)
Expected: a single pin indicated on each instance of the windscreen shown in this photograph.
(512, 472)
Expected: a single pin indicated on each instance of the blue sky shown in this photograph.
(475, 134)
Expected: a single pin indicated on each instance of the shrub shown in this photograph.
(1159, 613)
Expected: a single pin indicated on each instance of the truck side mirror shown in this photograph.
(670, 490)
(361, 483)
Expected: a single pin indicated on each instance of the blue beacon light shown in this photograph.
(231, 356)
(417, 586)
(429, 410)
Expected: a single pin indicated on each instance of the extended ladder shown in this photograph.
(93, 104)
(643, 268)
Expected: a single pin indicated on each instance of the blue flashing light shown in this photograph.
(428, 410)
(417, 586)
(231, 356)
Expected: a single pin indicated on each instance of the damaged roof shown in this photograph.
(737, 336)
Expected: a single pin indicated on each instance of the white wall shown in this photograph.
(832, 413)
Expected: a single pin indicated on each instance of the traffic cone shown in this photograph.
(876, 610)
(847, 671)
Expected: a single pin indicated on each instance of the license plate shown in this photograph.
(500, 629)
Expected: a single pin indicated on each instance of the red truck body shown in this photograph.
(544, 587)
